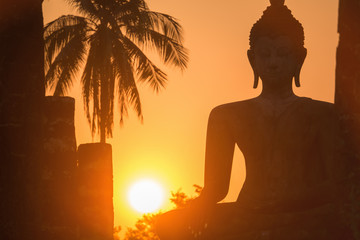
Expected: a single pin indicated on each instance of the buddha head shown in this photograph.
(277, 50)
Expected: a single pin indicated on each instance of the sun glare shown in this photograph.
(146, 196)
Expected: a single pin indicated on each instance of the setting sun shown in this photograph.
(146, 196)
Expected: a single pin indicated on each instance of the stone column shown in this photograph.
(21, 98)
(347, 91)
(95, 191)
(58, 175)
(347, 100)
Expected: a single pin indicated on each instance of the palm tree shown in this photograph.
(108, 41)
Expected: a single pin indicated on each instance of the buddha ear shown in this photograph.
(251, 57)
(300, 63)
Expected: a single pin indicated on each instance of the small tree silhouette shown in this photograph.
(144, 227)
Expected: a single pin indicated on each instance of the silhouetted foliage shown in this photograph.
(116, 235)
(180, 199)
(109, 38)
(144, 227)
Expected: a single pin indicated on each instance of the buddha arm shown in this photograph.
(218, 157)
(332, 149)
(329, 147)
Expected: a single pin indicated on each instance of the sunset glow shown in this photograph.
(146, 196)
(169, 145)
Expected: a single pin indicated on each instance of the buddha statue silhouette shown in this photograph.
(289, 143)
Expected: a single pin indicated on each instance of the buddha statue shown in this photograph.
(290, 145)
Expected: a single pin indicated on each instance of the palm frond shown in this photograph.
(138, 14)
(130, 13)
(124, 7)
(62, 21)
(63, 69)
(107, 79)
(171, 51)
(86, 7)
(166, 25)
(98, 82)
(90, 80)
(145, 69)
(127, 89)
(59, 32)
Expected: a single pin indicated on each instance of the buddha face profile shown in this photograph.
(277, 50)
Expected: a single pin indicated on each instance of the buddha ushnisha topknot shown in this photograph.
(277, 2)
(277, 20)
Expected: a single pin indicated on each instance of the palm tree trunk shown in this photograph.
(102, 132)
(104, 106)
(102, 118)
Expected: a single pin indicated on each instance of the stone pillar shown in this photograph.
(59, 220)
(347, 91)
(21, 98)
(95, 191)
(347, 100)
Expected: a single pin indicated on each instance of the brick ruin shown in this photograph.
(77, 185)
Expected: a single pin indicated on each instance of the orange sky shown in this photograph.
(169, 146)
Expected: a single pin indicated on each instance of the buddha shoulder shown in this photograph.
(319, 108)
(229, 111)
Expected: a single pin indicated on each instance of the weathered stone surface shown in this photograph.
(347, 94)
(347, 100)
(95, 191)
(21, 98)
(324, 222)
(58, 175)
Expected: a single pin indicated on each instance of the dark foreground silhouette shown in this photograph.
(291, 146)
